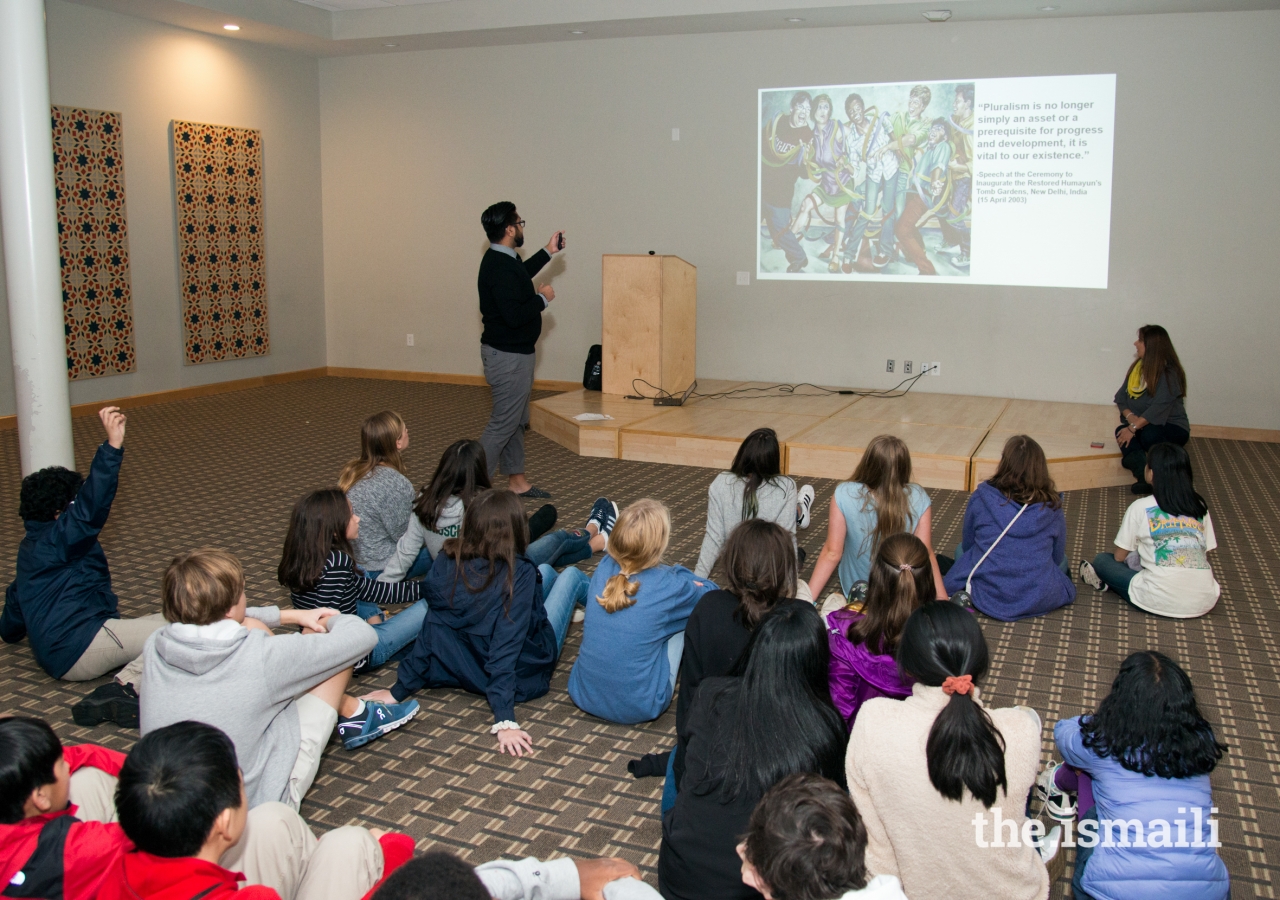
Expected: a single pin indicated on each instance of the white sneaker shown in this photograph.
(1050, 844)
(579, 614)
(804, 503)
(1057, 802)
(1089, 575)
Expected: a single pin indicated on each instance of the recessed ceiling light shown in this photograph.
(937, 15)
(577, 31)
(1047, 8)
(391, 45)
(795, 19)
(230, 27)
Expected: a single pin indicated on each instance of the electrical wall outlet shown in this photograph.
(906, 367)
(744, 278)
(935, 368)
(888, 365)
(408, 340)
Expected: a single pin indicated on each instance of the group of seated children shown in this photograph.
(880, 695)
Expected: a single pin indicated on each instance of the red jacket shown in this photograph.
(56, 854)
(142, 876)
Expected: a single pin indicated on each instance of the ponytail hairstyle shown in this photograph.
(378, 437)
(901, 579)
(759, 459)
(1171, 482)
(317, 526)
(942, 646)
(637, 542)
(885, 470)
(1150, 723)
(1159, 358)
(1023, 473)
(494, 530)
(462, 472)
(760, 561)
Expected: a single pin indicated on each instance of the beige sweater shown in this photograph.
(922, 837)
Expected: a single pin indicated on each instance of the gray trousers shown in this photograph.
(510, 377)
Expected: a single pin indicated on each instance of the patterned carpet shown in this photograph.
(224, 470)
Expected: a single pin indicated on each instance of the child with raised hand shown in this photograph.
(61, 597)
(806, 840)
(278, 697)
(181, 801)
(318, 569)
(633, 636)
(1171, 534)
(495, 623)
(753, 488)
(864, 637)
(1014, 543)
(879, 501)
(379, 490)
(1145, 755)
(55, 796)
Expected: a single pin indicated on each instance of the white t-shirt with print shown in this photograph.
(1176, 579)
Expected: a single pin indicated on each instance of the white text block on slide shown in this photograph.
(979, 181)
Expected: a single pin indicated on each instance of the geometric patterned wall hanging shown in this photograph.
(221, 241)
(93, 238)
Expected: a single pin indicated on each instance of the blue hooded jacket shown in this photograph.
(1146, 872)
(482, 641)
(1021, 577)
(61, 593)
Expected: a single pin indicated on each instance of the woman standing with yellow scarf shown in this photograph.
(1151, 403)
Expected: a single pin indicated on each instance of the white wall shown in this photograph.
(151, 74)
(415, 145)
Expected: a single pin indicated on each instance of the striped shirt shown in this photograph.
(341, 586)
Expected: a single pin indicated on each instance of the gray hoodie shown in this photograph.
(246, 686)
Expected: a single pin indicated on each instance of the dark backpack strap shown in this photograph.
(42, 874)
(209, 890)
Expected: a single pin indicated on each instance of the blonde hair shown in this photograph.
(637, 543)
(200, 587)
(885, 470)
(378, 437)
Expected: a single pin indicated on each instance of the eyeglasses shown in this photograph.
(520, 224)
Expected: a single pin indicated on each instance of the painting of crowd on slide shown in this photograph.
(864, 180)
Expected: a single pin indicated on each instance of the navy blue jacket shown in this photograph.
(62, 593)
(478, 641)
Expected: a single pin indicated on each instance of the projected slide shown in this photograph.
(985, 181)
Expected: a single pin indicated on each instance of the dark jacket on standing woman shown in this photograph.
(61, 593)
(1162, 406)
(510, 308)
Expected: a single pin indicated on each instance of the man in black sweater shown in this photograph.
(511, 311)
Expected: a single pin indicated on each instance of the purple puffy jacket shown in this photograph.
(857, 674)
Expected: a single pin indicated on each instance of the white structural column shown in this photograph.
(33, 276)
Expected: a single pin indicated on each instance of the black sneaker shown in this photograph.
(605, 514)
(541, 521)
(112, 702)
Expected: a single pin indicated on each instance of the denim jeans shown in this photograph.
(561, 548)
(421, 566)
(1115, 575)
(675, 650)
(397, 634)
(783, 236)
(561, 593)
(1082, 856)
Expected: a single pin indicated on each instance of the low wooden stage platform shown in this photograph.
(955, 440)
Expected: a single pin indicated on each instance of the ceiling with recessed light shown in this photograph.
(349, 27)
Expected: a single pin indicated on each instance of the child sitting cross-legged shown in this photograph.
(318, 568)
(278, 697)
(181, 801)
(806, 840)
(495, 623)
(56, 839)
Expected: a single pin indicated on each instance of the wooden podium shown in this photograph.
(650, 323)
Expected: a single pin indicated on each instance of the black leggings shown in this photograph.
(1135, 455)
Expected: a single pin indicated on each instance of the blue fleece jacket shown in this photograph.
(62, 593)
(482, 640)
(622, 674)
(1145, 872)
(1021, 577)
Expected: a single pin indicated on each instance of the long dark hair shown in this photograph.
(901, 578)
(1159, 357)
(1172, 482)
(1023, 473)
(462, 472)
(317, 526)
(494, 529)
(964, 749)
(759, 459)
(1150, 722)
(760, 565)
(783, 721)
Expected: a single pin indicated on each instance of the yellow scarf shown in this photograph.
(1136, 387)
